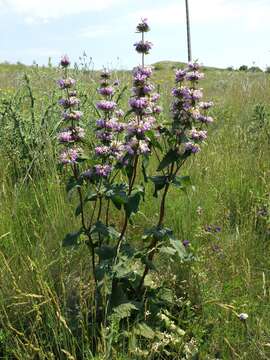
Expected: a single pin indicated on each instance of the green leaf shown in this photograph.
(118, 296)
(72, 239)
(144, 330)
(82, 158)
(123, 311)
(166, 294)
(117, 193)
(99, 228)
(159, 233)
(72, 184)
(178, 247)
(132, 205)
(145, 164)
(106, 231)
(159, 182)
(91, 196)
(148, 262)
(182, 182)
(105, 252)
(167, 250)
(154, 141)
(171, 157)
(78, 210)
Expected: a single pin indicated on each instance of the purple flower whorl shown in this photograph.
(189, 112)
(72, 134)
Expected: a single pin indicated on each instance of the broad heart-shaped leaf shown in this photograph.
(117, 193)
(144, 330)
(182, 182)
(154, 141)
(91, 196)
(106, 231)
(167, 250)
(72, 184)
(124, 267)
(103, 269)
(132, 205)
(159, 182)
(148, 262)
(82, 158)
(105, 252)
(178, 247)
(118, 294)
(160, 233)
(171, 157)
(72, 239)
(78, 210)
(166, 294)
(123, 311)
(145, 164)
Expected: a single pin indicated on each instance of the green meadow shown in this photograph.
(46, 290)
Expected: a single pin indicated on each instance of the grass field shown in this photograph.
(45, 290)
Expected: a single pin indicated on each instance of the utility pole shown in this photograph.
(188, 32)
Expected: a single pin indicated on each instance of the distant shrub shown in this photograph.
(255, 69)
(230, 68)
(158, 67)
(243, 68)
(267, 70)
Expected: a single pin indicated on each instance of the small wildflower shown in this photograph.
(194, 66)
(243, 316)
(216, 248)
(143, 47)
(66, 83)
(206, 105)
(69, 156)
(105, 74)
(70, 102)
(64, 62)
(157, 109)
(106, 105)
(106, 91)
(194, 76)
(143, 26)
(191, 147)
(73, 115)
(198, 135)
(116, 83)
(138, 103)
(186, 243)
(65, 136)
(103, 170)
(119, 113)
(155, 97)
(180, 75)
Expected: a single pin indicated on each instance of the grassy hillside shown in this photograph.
(45, 290)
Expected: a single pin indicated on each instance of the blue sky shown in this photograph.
(224, 32)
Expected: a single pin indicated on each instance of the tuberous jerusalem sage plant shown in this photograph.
(112, 176)
(70, 138)
(143, 109)
(183, 138)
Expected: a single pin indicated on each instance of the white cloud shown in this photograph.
(44, 10)
(252, 14)
(96, 31)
